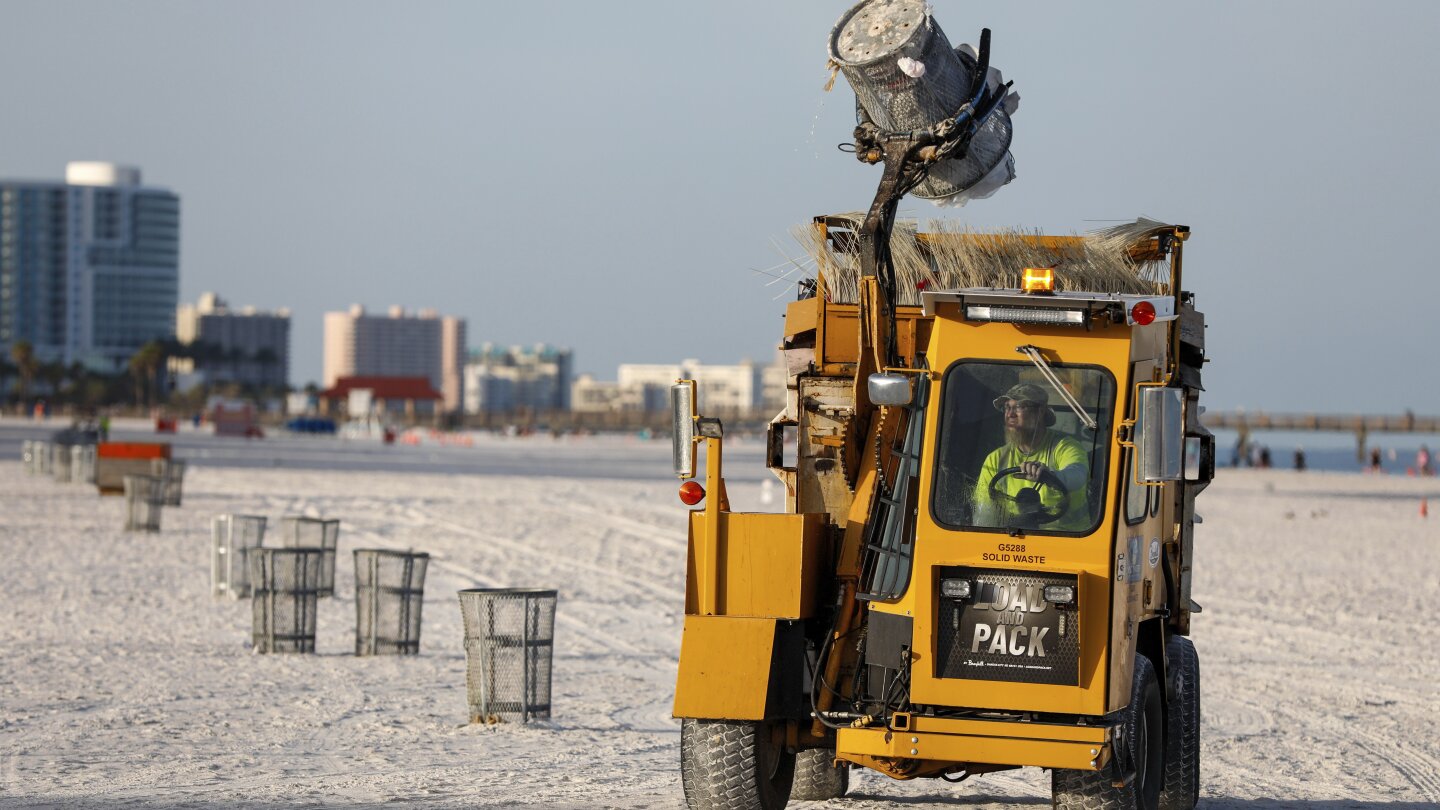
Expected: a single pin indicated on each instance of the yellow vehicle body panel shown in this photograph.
(725, 664)
(751, 578)
(766, 565)
(1088, 558)
(837, 331)
(979, 741)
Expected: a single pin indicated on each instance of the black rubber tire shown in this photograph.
(1143, 724)
(817, 778)
(728, 765)
(1181, 788)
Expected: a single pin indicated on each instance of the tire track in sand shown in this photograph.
(417, 518)
(1419, 768)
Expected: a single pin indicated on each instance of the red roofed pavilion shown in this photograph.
(407, 396)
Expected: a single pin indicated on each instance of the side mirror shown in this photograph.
(1160, 434)
(890, 389)
(682, 417)
(1199, 458)
(1192, 458)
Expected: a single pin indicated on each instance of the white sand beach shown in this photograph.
(125, 683)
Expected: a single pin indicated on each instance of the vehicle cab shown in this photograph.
(1020, 597)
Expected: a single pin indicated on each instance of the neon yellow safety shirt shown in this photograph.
(1057, 452)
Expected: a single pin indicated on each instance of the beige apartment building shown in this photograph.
(745, 387)
(397, 344)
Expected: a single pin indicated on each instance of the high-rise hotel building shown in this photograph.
(89, 268)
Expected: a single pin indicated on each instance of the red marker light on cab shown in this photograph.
(1143, 313)
(691, 493)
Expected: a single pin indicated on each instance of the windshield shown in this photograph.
(1012, 455)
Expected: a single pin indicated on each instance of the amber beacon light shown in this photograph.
(1038, 280)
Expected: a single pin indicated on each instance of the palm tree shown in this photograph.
(143, 366)
(234, 356)
(7, 370)
(23, 353)
(75, 377)
(267, 358)
(53, 373)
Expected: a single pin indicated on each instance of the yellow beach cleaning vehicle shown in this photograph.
(985, 559)
(928, 606)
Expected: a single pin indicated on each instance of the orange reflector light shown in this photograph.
(1143, 313)
(1038, 280)
(691, 493)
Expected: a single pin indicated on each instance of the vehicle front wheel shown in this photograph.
(1142, 724)
(1181, 789)
(734, 765)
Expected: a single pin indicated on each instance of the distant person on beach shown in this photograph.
(1375, 463)
(1259, 455)
(1424, 463)
(1299, 459)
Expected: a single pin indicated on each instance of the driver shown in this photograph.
(1044, 458)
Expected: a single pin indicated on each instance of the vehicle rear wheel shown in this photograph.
(817, 778)
(727, 765)
(1181, 788)
(1143, 725)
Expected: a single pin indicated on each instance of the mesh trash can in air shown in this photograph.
(906, 76)
(144, 497)
(233, 536)
(389, 586)
(317, 533)
(284, 593)
(509, 644)
(172, 472)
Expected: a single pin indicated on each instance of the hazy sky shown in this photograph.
(611, 176)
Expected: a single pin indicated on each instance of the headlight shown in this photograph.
(955, 588)
(1060, 594)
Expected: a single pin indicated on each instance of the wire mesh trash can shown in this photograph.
(42, 459)
(318, 533)
(82, 464)
(144, 497)
(284, 594)
(60, 463)
(233, 536)
(389, 587)
(27, 456)
(509, 645)
(172, 472)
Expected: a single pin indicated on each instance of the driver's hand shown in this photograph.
(1032, 470)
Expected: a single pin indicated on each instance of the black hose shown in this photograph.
(817, 676)
(978, 78)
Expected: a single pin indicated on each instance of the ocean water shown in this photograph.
(1331, 452)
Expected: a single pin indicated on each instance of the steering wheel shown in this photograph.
(1027, 501)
